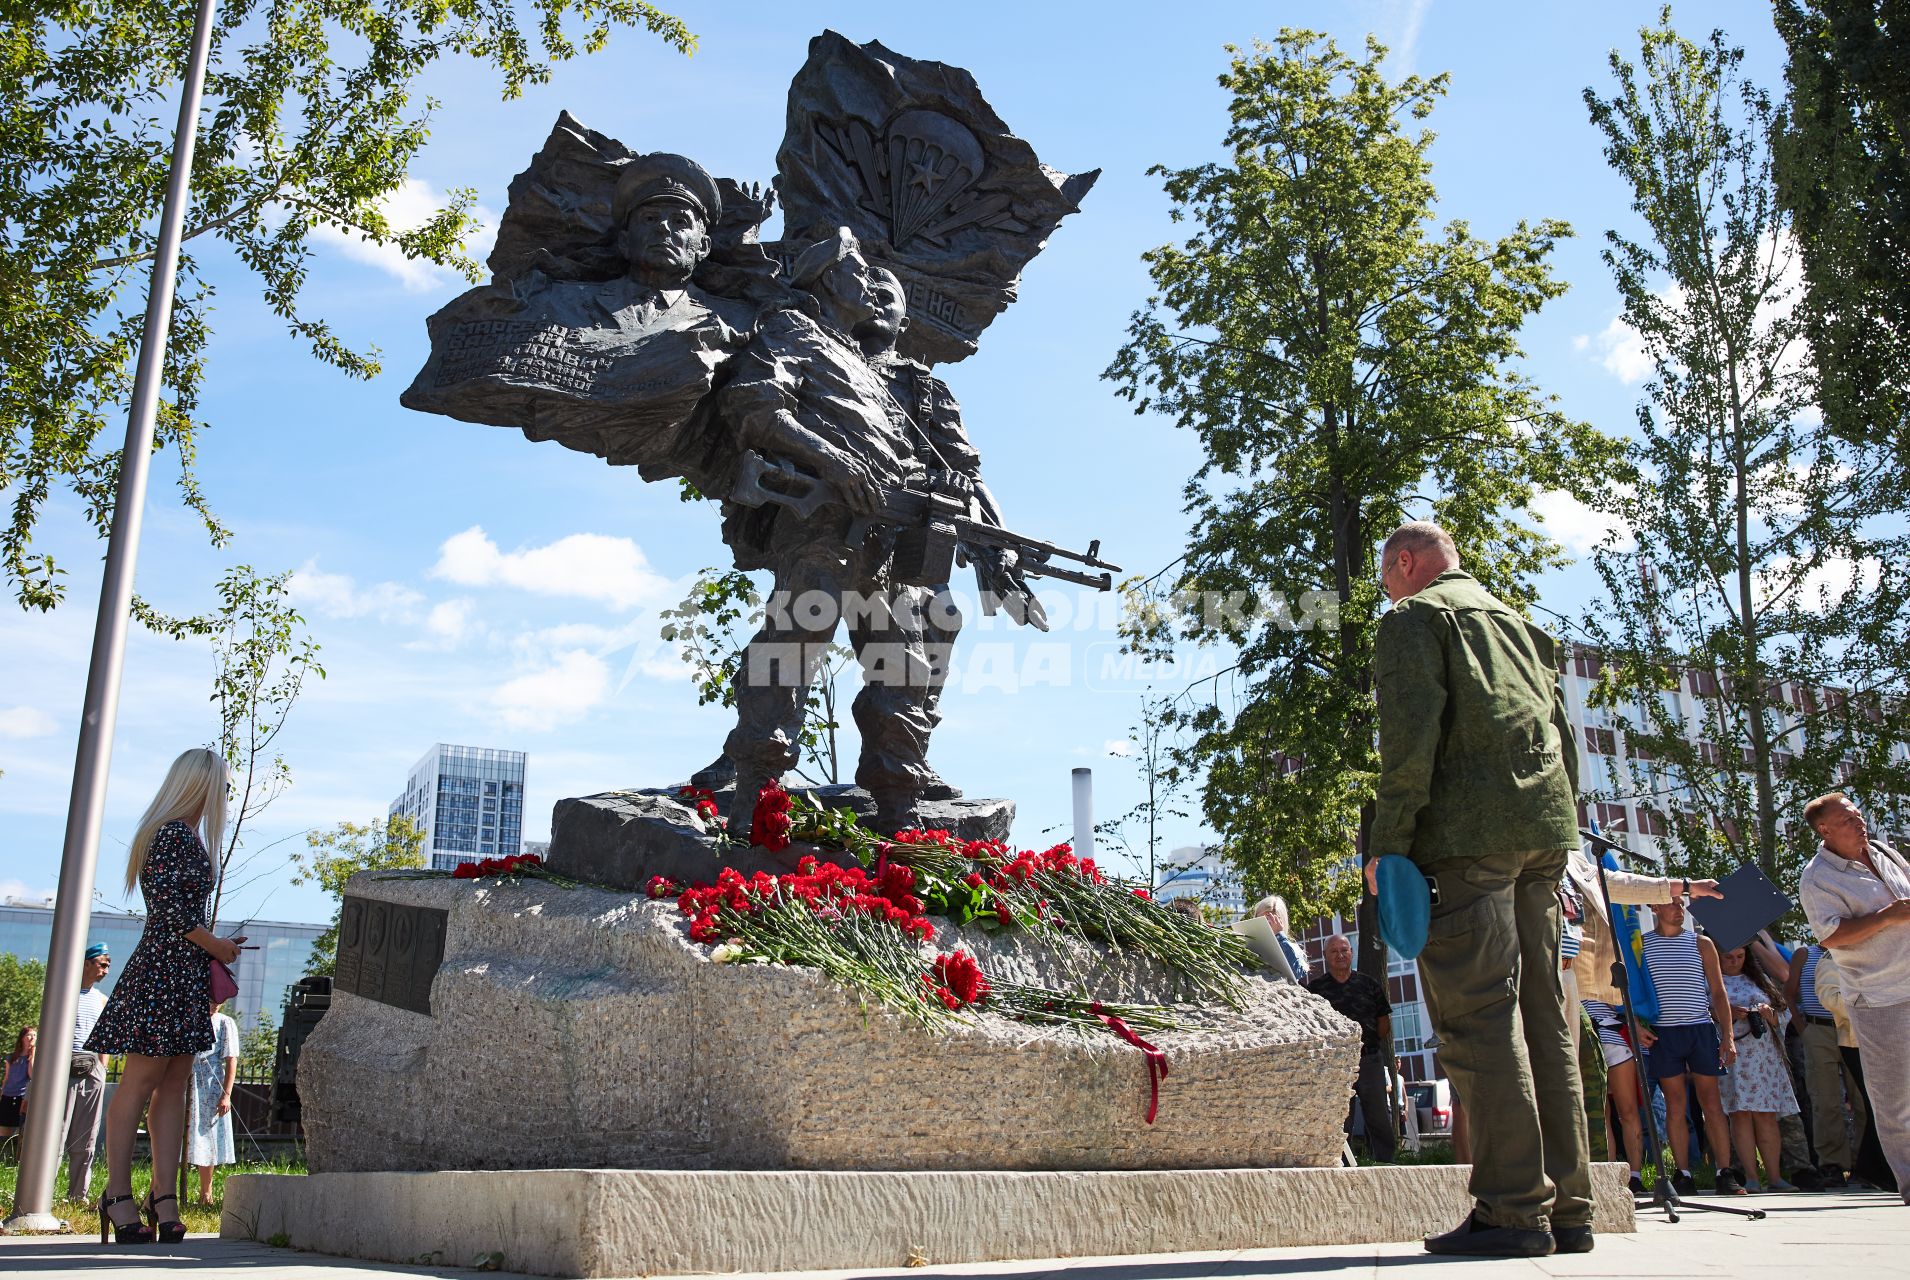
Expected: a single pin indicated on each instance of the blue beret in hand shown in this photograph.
(1405, 905)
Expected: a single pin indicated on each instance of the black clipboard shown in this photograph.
(1750, 902)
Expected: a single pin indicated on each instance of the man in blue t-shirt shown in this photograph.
(1684, 1043)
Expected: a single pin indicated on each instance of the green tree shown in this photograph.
(1151, 747)
(711, 629)
(260, 664)
(22, 983)
(313, 118)
(1843, 172)
(1756, 548)
(332, 857)
(1345, 365)
(258, 1048)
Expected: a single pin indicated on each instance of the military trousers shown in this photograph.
(85, 1099)
(902, 637)
(1495, 995)
(1827, 1083)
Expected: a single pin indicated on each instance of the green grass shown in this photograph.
(85, 1217)
(1431, 1151)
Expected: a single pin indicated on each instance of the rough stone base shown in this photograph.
(622, 838)
(583, 1222)
(580, 1027)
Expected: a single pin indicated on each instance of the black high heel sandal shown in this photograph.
(168, 1232)
(137, 1233)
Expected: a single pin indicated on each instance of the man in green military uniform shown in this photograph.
(1478, 785)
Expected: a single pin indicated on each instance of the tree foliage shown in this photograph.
(1151, 746)
(312, 120)
(1757, 559)
(259, 1047)
(332, 857)
(22, 984)
(1843, 172)
(261, 661)
(1346, 365)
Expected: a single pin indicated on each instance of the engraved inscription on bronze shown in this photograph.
(389, 952)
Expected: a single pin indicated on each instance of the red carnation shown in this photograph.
(770, 823)
(464, 871)
(958, 973)
(661, 887)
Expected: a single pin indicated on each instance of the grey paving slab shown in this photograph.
(1803, 1237)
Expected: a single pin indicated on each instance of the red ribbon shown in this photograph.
(1156, 1060)
(881, 858)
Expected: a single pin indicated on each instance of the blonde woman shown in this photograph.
(159, 1015)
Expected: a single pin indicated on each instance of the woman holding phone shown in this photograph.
(159, 1015)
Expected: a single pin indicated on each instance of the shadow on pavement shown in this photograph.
(80, 1253)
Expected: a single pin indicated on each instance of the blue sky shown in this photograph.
(468, 586)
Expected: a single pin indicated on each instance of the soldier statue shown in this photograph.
(816, 389)
(633, 314)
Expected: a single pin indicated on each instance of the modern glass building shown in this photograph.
(284, 951)
(1199, 872)
(470, 802)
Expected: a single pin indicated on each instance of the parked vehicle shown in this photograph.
(1433, 1100)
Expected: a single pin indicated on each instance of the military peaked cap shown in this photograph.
(662, 175)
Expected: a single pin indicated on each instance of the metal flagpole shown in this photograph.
(42, 1134)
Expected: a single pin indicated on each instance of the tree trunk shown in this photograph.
(1751, 666)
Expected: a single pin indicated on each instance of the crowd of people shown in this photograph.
(1478, 787)
(1787, 1067)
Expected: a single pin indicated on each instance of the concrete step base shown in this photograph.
(623, 1222)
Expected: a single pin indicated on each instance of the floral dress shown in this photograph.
(1758, 1080)
(162, 1004)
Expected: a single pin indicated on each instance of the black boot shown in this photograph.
(1478, 1239)
(1572, 1239)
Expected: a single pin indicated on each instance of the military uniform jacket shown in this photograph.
(1476, 753)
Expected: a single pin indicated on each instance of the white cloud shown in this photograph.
(411, 205)
(336, 595)
(450, 621)
(20, 889)
(591, 566)
(1402, 23)
(1576, 525)
(563, 692)
(1827, 583)
(26, 722)
(1620, 350)
(1117, 747)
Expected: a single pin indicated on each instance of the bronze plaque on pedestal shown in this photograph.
(389, 952)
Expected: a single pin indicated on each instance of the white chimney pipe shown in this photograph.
(1084, 813)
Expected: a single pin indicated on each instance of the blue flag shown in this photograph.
(1629, 939)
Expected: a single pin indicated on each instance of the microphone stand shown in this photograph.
(1663, 1194)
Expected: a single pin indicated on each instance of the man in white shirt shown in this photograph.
(86, 1082)
(1856, 893)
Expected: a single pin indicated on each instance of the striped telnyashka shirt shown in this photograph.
(1677, 971)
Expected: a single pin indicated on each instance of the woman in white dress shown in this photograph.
(1757, 1090)
(209, 1131)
